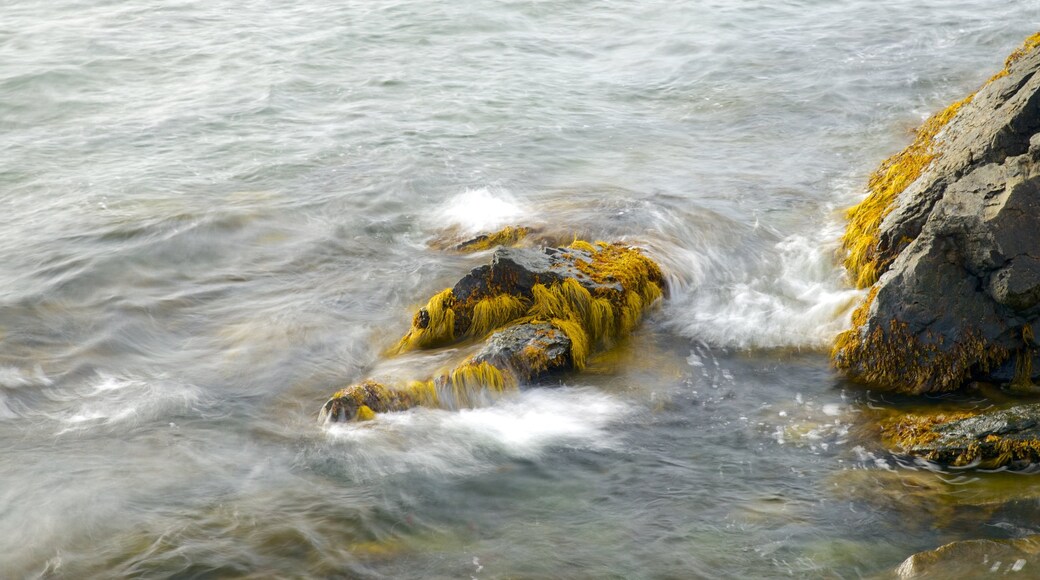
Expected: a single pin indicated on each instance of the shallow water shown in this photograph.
(215, 214)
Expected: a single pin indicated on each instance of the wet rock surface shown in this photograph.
(960, 252)
(1003, 438)
(536, 311)
(517, 270)
(529, 351)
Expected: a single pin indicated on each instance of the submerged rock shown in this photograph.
(948, 244)
(975, 559)
(538, 312)
(507, 236)
(1008, 437)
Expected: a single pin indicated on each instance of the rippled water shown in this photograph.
(213, 214)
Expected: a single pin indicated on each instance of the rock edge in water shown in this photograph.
(537, 312)
(975, 559)
(992, 439)
(948, 245)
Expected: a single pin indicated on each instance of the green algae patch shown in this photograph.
(624, 284)
(433, 325)
(494, 312)
(471, 382)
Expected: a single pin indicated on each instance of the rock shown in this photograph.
(1003, 438)
(529, 351)
(538, 312)
(975, 559)
(603, 287)
(363, 400)
(507, 236)
(948, 244)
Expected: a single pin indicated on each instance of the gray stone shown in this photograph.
(530, 351)
(516, 270)
(963, 242)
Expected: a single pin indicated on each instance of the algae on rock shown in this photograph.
(536, 311)
(946, 241)
(991, 439)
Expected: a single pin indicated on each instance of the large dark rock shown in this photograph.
(960, 251)
(515, 271)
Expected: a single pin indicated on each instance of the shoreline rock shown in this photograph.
(947, 243)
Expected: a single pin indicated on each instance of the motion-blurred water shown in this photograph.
(213, 214)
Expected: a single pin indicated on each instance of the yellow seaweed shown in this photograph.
(494, 312)
(433, 325)
(507, 236)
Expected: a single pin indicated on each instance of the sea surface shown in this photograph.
(214, 214)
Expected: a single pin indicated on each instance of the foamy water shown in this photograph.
(481, 210)
(524, 426)
(216, 214)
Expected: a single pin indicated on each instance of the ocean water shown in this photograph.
(214, 214)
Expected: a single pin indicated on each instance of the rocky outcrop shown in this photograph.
(967, 560)
(1003, 438)
(948, 243)
(534, 312)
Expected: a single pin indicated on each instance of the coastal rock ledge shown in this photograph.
(948, 243)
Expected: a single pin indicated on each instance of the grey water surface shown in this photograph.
(214, 214)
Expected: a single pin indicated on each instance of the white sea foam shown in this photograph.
(792, 295)
(114, 400)
(524, 426)
(481, 210)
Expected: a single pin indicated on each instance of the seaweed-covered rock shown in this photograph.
(363, 400)
(507, 236)
(1008, 437)
(602, 287)
(972, 559)
(539, 312)
(948, 244)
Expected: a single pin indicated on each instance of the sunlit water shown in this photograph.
(213, 214)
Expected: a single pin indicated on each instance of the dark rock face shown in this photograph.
(515, 271)
(961, 296)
